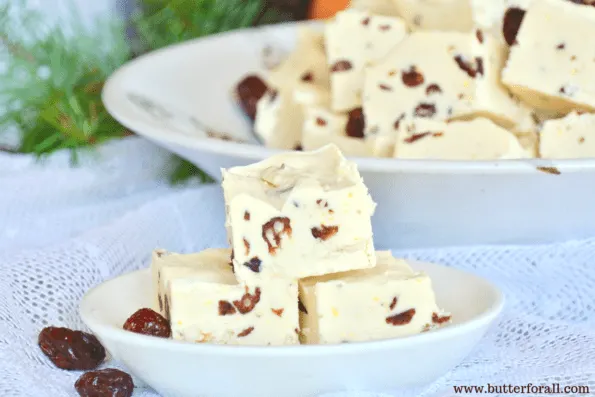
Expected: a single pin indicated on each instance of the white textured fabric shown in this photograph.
(64, 230)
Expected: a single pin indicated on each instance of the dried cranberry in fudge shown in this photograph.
(249, 91)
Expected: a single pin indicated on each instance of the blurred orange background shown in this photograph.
(322, 9)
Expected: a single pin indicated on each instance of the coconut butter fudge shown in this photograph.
(297, 215)
(204, 302)
(301, 79)
(179, 265)
(345, 130)
(354, 40)
(553, 65)
(438, 76)
(572, 136)
(388, 301)
(479, 139)
(301, 268)
(279, 120)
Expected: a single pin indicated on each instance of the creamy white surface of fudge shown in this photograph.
(180, 265)
(305, 64)
(553, 65)
(279, 119)
(388, 301)
(205, 303)
(438, 76)
(436, 14)
(479, 139)
(354, 40)
(298, 214)
(570, 137)
(323, 126)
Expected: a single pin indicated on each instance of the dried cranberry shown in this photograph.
(393, 303)
(433, 89)
(108, 382)
(513, 18)
(324, 232)
(398, 122)
(148, 322)
(248, 301)
(226, 308)
(401, 318)
(246, 332)
(425, 110)
(416, 137)
(479, 35)
(356, 123)
(341, 66)
(468, 68)
(307, 77)
(72, 350)
(412, 77)
(301, 307)
(272, 237)
(254, 264)
(437, 319)
(249, 92)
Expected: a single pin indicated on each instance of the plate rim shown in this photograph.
(484, 319)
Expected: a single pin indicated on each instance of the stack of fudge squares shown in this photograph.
(302, 267)
(455, 79)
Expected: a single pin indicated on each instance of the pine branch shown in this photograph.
(52, 85)
(51, 88)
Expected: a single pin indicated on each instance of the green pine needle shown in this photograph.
(51, 88)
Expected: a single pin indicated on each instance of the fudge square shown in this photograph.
(179, 266)
(388, 301)
(478, 139)
(553, 64)
(298, 214)
(205, 303)
(439, 76)
(570, 137)
(355, 39)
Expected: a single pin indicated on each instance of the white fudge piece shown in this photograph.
(502, 18)
(279, 120)
(439, 76)
(355, 39)
(205, 303)
(298, 214)
(552, 67)
(376, 7)
(323, 127)
(491, 98)
(180, 265)
(479, 139)
(305, 64)
(570, 137)
(446, 15)
(389, 301)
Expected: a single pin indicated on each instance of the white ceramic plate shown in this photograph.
(195, 370)
(171, 95)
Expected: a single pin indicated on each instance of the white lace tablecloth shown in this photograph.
(64, 230)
